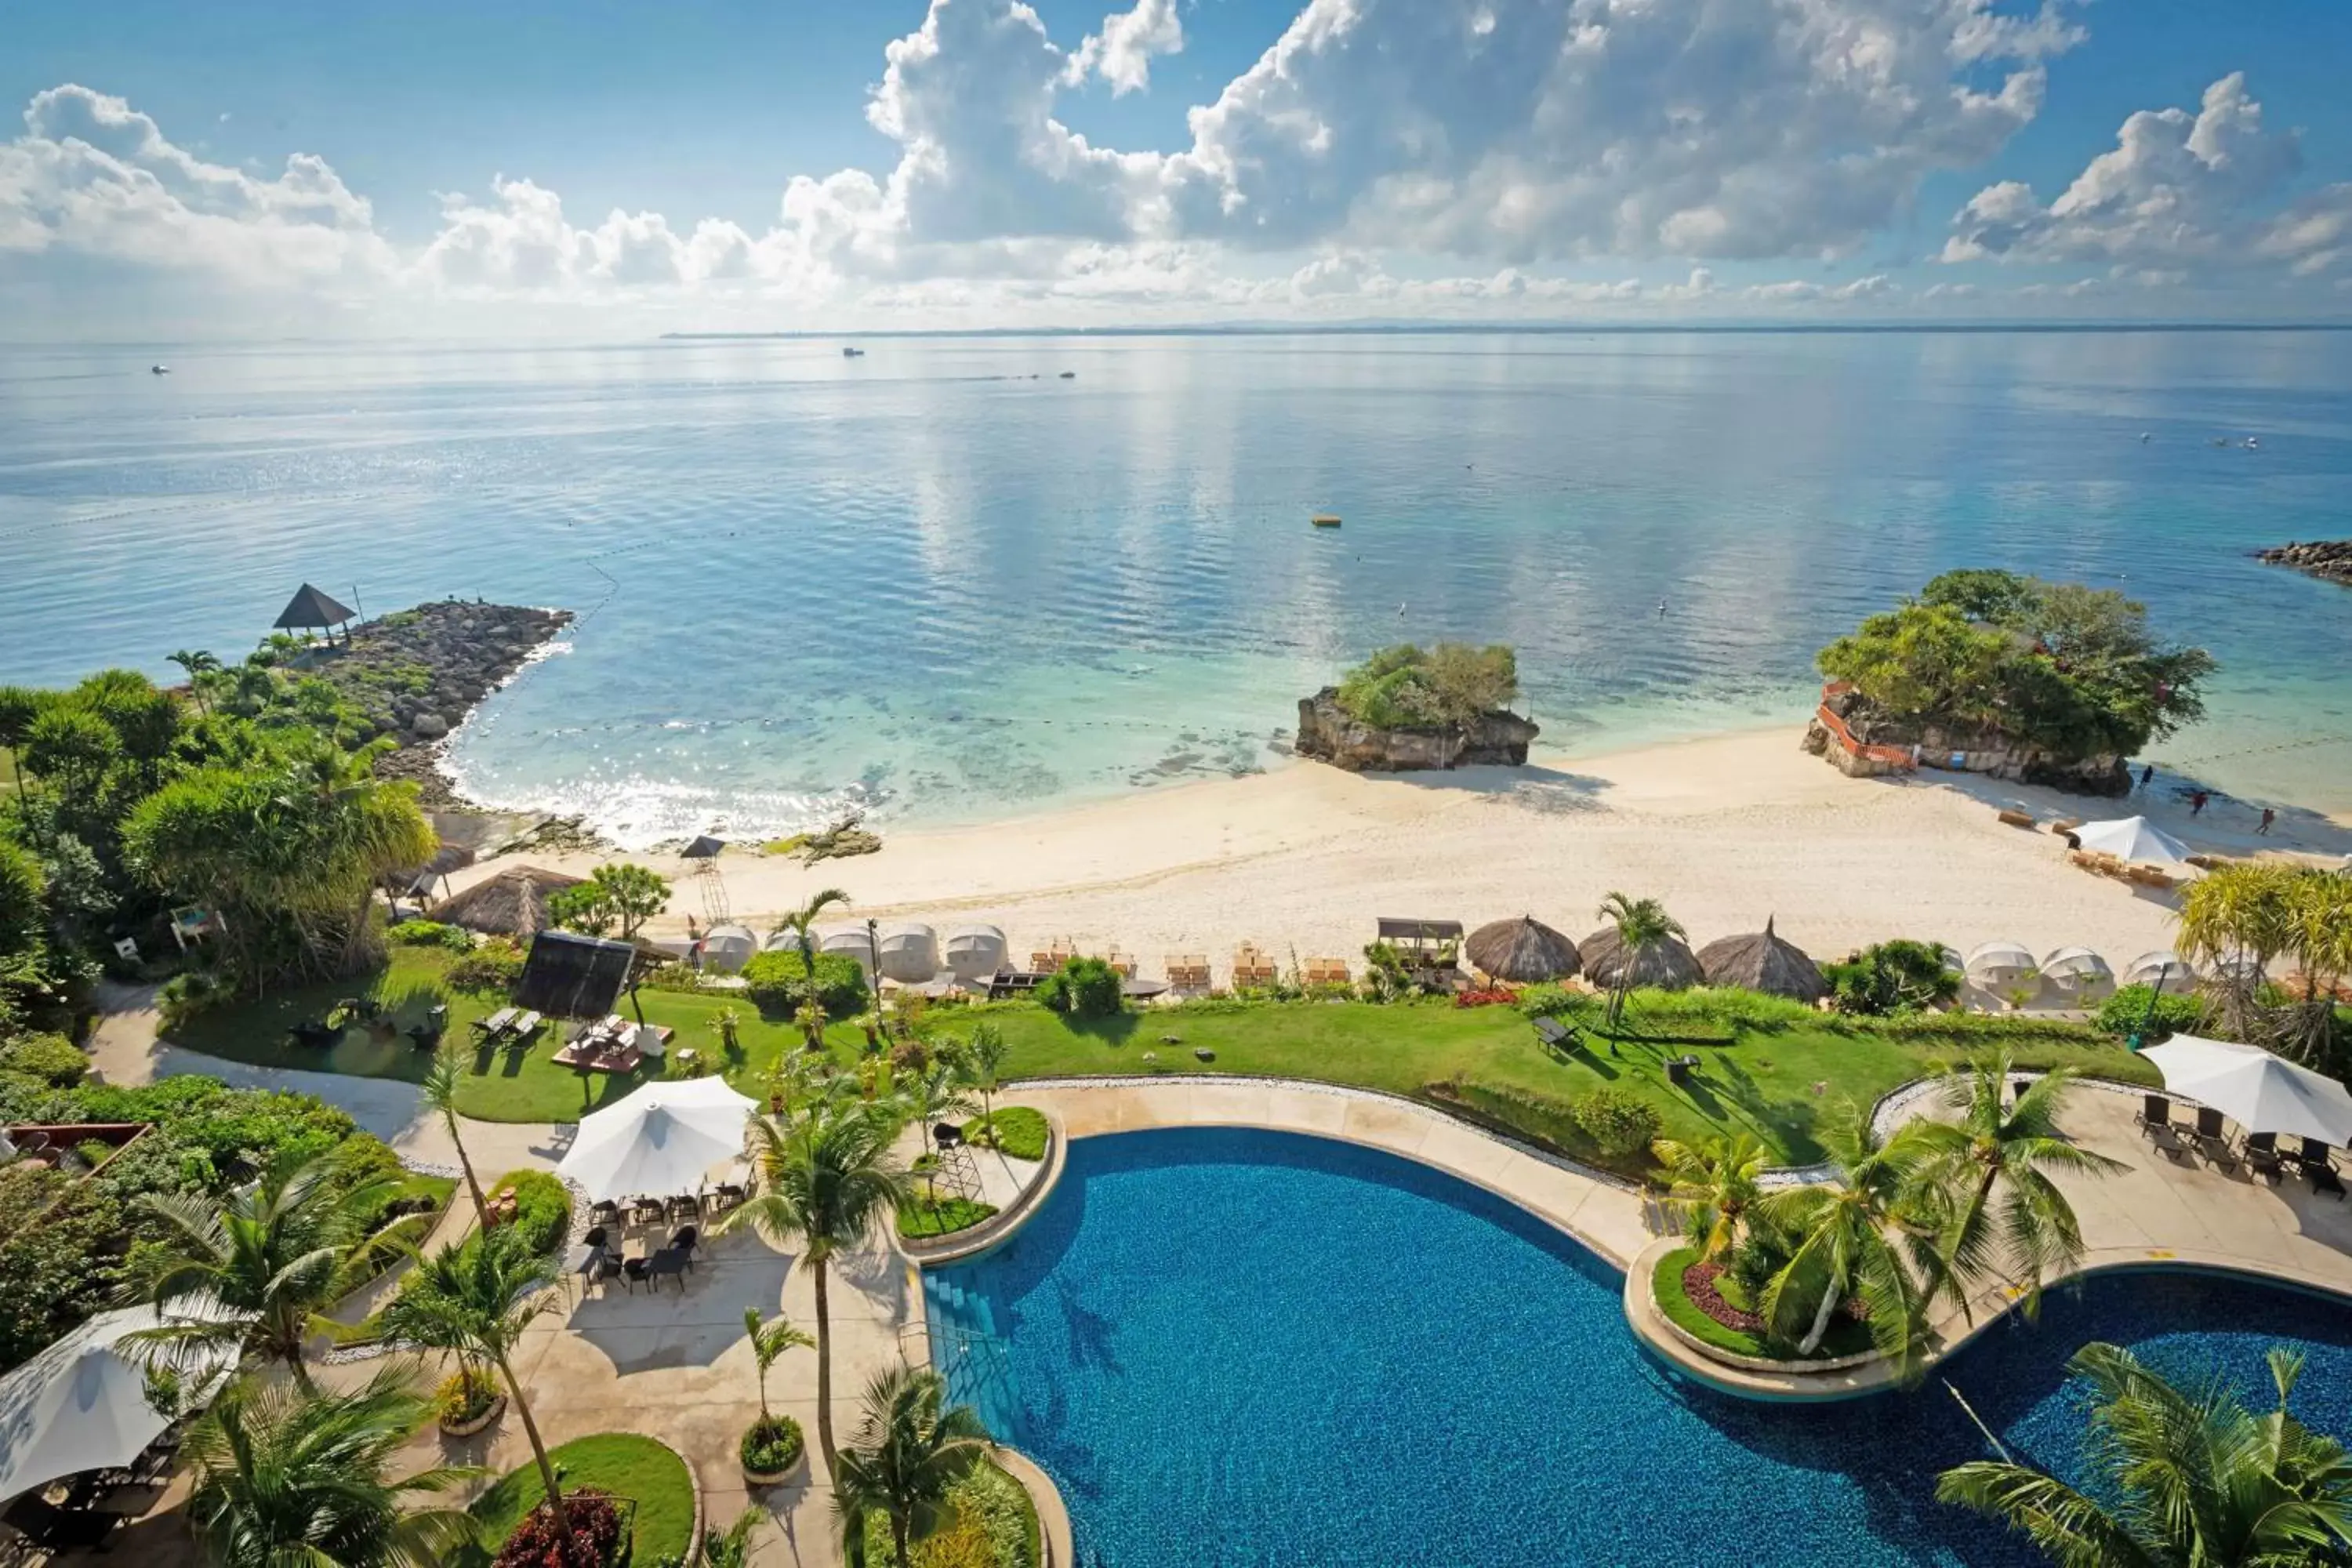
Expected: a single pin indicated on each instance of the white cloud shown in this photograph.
(1122, 52)
(2178, 189)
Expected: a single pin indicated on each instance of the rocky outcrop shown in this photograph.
(1864, 743)
(2328, 559)
(418, 673)
(1327, 732)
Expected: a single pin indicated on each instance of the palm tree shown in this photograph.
(2234, 920)
(439, 1091)
(983, 1057)
(2032, 1228)
(198, 663)
(477, 1300)
(1641, 924)
(911, 1447)
(288, 1479)
(823, 1189)
(769, 1342)
(2199, 1479)
(256, 1269)
(1714, 1185)
(1844, 1237)
(799, 922)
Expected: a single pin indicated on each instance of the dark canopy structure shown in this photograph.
(571, 976)
(512, 903)
(1668, 965)
(418, 881)
(704, 847)
(1763, 962)
(1522, 951)
(309, 607)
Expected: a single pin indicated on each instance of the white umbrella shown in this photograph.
(2077, 969)
(2166, 969)
(1997, 962)
(2255, 1090)
(661, 1140)
(81, 1403)
(2132, 838)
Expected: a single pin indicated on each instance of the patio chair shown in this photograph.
(632, 1273)
(2262, 1157)
(56, 1530)
(684, 1240)
(648, 1211)
(2213, 1141)
(2154, 1112)
(2324, 1179)
(605, 1213)
(2318, 1152)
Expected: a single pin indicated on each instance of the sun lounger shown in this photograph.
(2262, 1157)
(1121, 963)
(2154, 1112)
(2213, 1139)
(1558, 1037)
(1327, 972)
(523, 1028)
(2168, 1141)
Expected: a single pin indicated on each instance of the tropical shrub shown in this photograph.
(1016, 1128)
(987, 1526)
(1892, 978)
(539, 1541)
(187, 994)
(494, 964)
(432, 933)
(51, 1058)
(1611, 1121)
(1404, 688)
(775, 980)
(1617, 1120)
(542, 1208)
(2126, 1012)
(773, 1445)
(465, 1396)
(1081, 988)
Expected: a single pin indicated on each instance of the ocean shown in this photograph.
(943, 583)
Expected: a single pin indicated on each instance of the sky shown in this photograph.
(443, 167)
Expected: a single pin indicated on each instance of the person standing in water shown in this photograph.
(2147, 776)
(2197, 800)
(2269, 817)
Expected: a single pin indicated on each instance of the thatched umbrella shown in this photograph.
(1665, 965)
(1763, 962)
(512, 903)
(1523, 951)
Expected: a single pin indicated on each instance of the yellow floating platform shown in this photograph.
(1324, 519)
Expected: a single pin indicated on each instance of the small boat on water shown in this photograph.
(1069, 375)
(1324, 519)
(848, 352)
(159, 369)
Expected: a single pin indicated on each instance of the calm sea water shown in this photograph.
(942, 580)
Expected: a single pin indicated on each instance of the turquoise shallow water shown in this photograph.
(942, 580)
(1239, 1348)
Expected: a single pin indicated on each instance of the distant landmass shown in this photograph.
(1496, 329)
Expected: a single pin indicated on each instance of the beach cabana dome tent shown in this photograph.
(2259, 1092)
(512, 903)
(2132, 838)
(910, 953)
(568, 975)
(311, 610)
(1763, 960)
(2169, 970)
(81, 1403)
(975, 951)
(660, 1141)
(2079, 973)
(1999, 963)
(851, 943)
(726, 949)
(1668, 965)
(1522, 951)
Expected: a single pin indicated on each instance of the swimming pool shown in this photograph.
(1237, 1347)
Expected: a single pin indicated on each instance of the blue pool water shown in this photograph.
(1234, 1347)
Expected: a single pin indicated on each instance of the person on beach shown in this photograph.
(2197, 800)
(2269, 817)
(2147, 776)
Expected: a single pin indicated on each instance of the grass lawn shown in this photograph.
(616, 1462)
(1017, 1130)
(1779, 1086)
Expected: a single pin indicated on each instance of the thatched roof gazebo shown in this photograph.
(512, 903)
(1761, 961)
(1666, 966)
(1522, 951)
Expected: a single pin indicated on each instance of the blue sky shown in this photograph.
(538, 165)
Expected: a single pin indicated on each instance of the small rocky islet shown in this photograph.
(2329, 560)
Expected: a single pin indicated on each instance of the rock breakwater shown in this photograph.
(2330, 560)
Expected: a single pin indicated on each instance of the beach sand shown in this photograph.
(1725, 830)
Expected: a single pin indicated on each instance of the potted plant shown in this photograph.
(773, 1447)
(810, 1017)
(871, 1022)
(467, 1401)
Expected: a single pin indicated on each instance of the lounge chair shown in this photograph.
(2324, 1179)
(1558, 1037)
(2214, 1141)
(2262, 1157)
(2318, 1152)
(2154, 1112)
(2168, 1141)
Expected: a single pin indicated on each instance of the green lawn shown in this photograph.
(615, 1462)
(1779, 1087)
(1845, 1337)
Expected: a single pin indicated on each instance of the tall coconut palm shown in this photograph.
(910, 1449)
(1984, 1181)
(1714, 1186)
(1847, 1242)
(984, 1057)
(801, 923)
(1641, 924)
(198, 663)
(439, 1091)
(823, 1187)
(2195, 1478)
(256, 1268)
(477, 1300)
(288, 1479)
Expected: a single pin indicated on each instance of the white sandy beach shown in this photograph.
(1726, 830)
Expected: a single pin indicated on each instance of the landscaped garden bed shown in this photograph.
(991, 1523)
(941, 1215)
(1706, 1302)
(649, 1474)
(1015, 1131)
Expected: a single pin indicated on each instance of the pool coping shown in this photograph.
(1058, 1545)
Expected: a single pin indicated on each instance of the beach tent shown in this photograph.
(2134, 839)
(2079, 973)
(851, 943)
(660, 1141)
(726, 949)
(910, 953)
(2255, 1090)
(1522, 951)
(2166, 969)
(81, 1403)
(512, 903)
(1762, 961)
(1997, 963)
(1668, 965)
(568, 975)
(975, 951)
